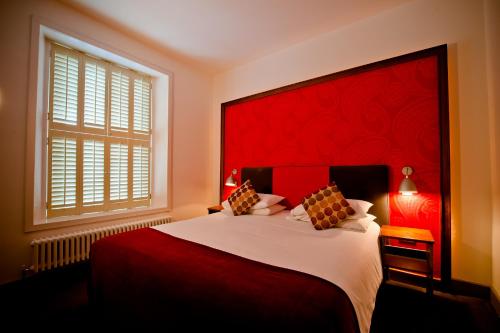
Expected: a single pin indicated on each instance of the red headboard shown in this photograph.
(393, 113)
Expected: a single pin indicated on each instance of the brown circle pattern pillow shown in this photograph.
(243, 198)
(327, 207)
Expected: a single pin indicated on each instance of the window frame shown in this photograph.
(37, 159)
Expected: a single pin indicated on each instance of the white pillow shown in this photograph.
(361, 208)
(225, 204)
(361, 224)
(267, 211)
(266, 200)
(299, 213)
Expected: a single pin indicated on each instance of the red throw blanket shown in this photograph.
(148, 278)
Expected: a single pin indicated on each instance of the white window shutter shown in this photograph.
(95, 95)
(140, 172)
(118, 174)
(119, 100)
(93, 172)
(65, 88)
(63, 172)
(142, 105)
(99, 135)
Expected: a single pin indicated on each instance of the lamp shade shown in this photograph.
(407, 186)
(230, 181)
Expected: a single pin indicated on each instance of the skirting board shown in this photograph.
(495, 301)
(469, 289)
(457, 287)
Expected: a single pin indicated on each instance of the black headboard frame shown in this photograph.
(364, 182)
(261, 178)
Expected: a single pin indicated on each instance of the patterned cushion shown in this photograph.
(243, 198)
(327, 207)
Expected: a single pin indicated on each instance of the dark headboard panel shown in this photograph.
(261, 178)
(365, 182)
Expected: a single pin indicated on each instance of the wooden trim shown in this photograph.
(131, 84)
(107, 178)
(444, 128)
(222, 180)
(215, 209)
(433, 51)
(404, 233)
(79, 174)
(130, 172)
(441, 53)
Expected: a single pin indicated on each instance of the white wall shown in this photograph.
(191, 105)
(410, 27)
(492, 18)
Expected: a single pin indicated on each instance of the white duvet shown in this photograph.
(347, 258)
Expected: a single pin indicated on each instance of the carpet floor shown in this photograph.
(57, 300)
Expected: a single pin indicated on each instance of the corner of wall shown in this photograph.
(495, 301)
(492, 31)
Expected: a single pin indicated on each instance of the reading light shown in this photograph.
(407, 186)
(230, 181)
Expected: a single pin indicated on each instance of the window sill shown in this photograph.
(73, 221)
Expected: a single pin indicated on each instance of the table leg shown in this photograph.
(431, 270)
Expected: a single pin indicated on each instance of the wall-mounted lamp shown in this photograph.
(407, 186)
(230, 181)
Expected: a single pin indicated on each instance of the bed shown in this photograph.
(246, 273)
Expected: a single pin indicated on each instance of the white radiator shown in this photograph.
(64, 249)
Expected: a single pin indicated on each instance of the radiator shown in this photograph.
(65, 249)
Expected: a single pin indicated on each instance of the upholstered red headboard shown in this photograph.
(393, 113)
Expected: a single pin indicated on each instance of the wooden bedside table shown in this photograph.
(407, 259)
(215, 209)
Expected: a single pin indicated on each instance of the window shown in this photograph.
(98, 131)
(99, 135)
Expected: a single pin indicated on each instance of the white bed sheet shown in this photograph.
(347, 258)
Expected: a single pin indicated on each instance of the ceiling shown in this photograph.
(220, 34)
